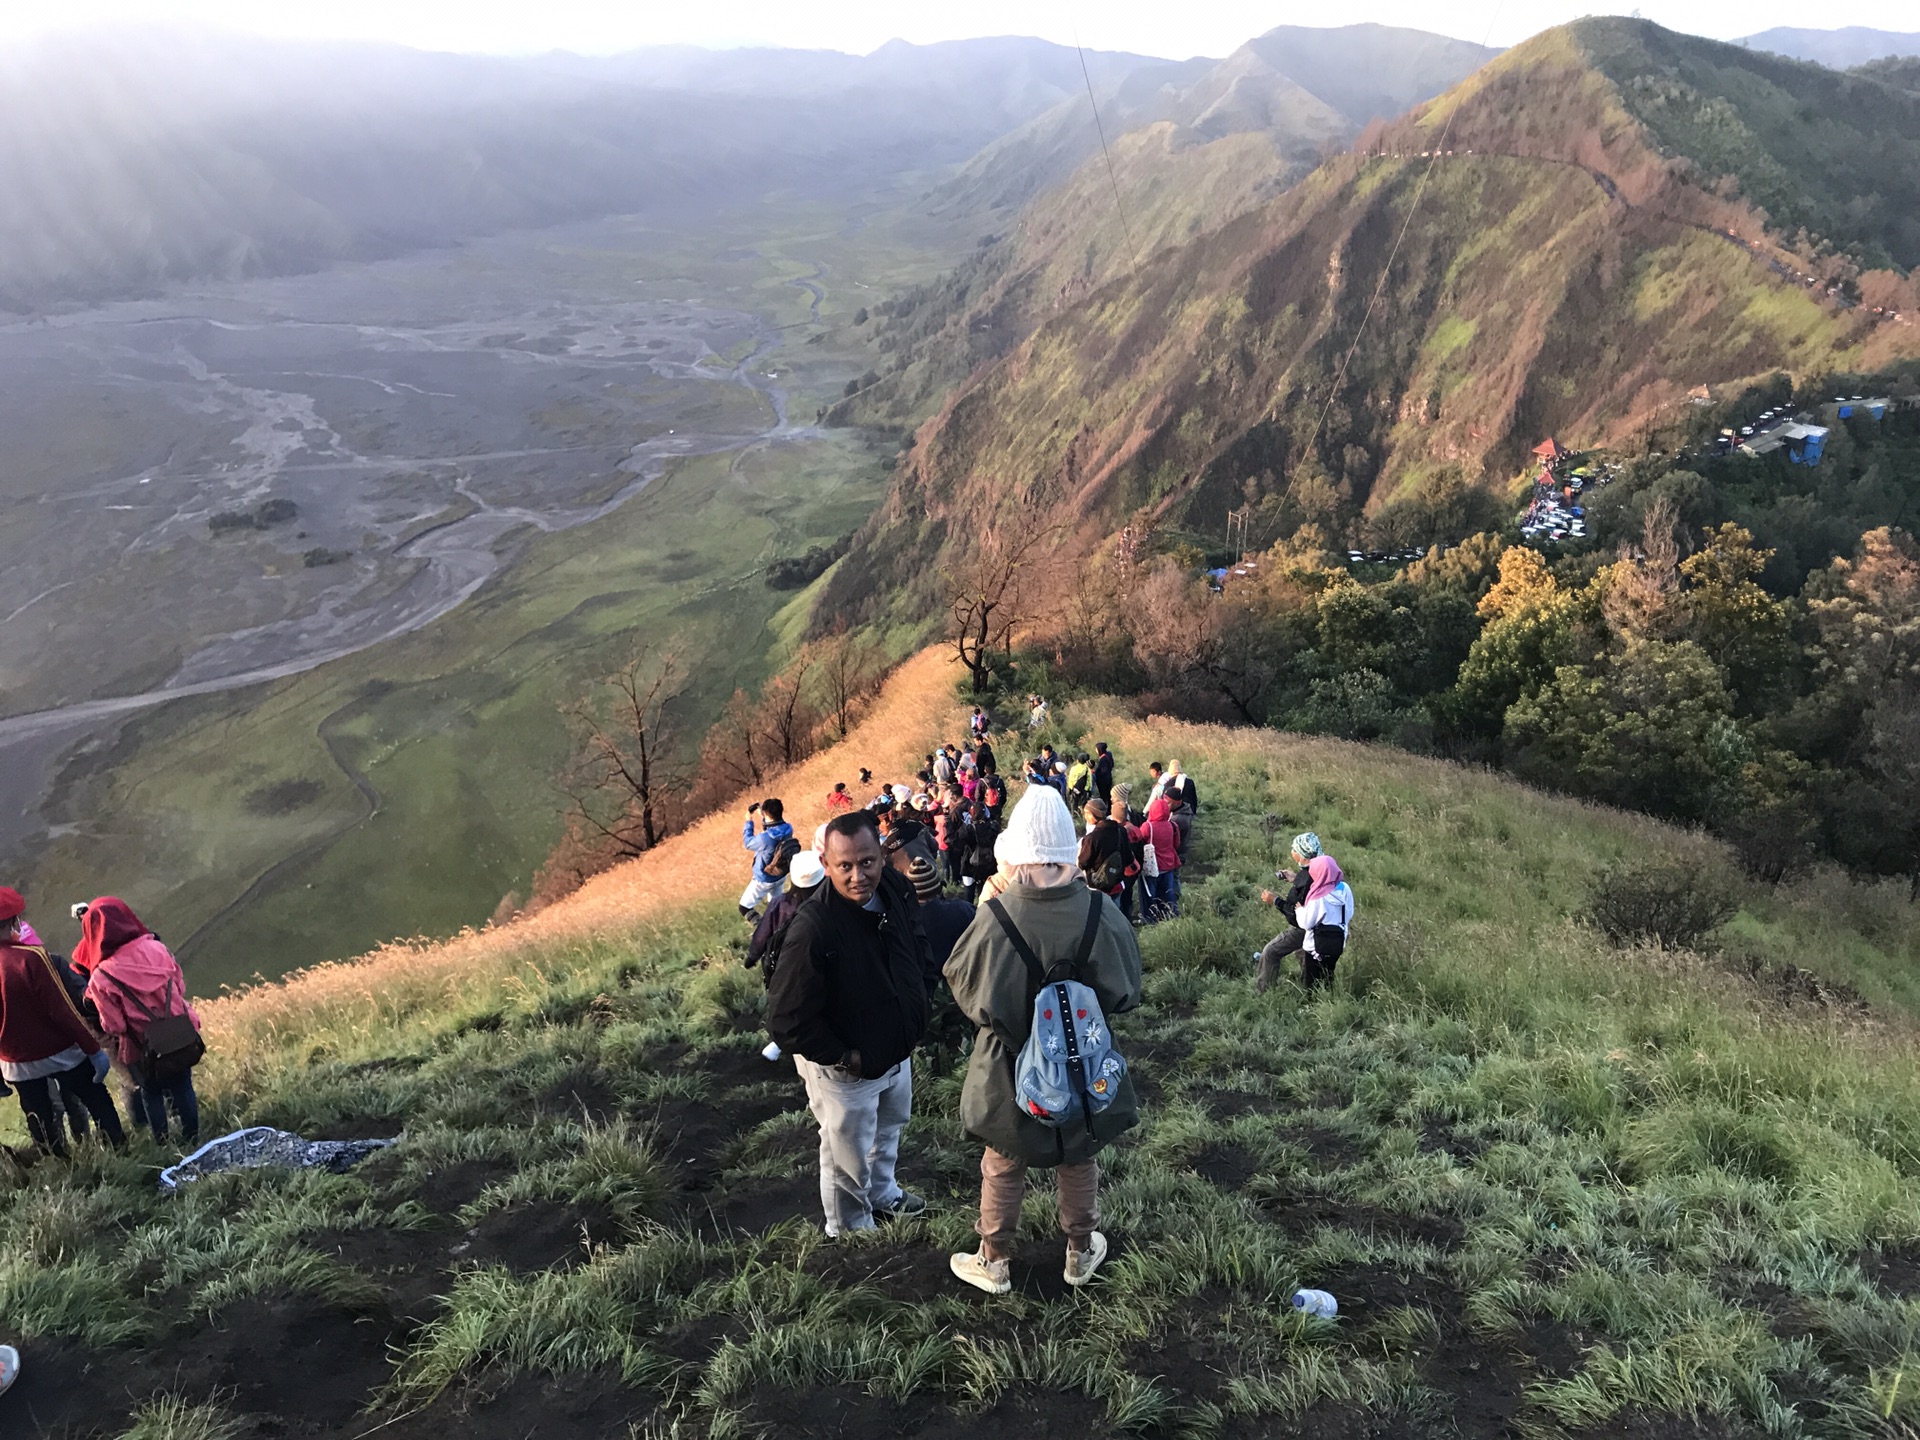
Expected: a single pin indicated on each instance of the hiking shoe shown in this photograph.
(10, 1364)
(905, 1208)
(1082, 1263)
(983, 1274)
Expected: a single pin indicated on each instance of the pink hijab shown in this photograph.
(1326, 875)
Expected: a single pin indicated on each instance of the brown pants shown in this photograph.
(1003, 1186)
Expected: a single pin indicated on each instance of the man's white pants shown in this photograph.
(761, 892)
(860, 1125)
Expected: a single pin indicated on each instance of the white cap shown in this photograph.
(806, 870)
(1039, 831)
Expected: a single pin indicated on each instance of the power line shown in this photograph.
(1119, 208)
(1380, 286)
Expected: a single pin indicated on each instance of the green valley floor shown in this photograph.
(1558, 1189)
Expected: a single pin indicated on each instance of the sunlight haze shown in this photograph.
(858, 26)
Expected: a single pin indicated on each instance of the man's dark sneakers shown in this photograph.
(905, 1208)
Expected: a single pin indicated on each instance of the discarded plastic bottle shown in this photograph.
(1317, 1303)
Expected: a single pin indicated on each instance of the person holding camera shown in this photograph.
(849, 1003)
(1299, 882)
(773, 848)
(46, 1042)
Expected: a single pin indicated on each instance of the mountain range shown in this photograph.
(1842, 49)
(132, 160)
(1566, 243)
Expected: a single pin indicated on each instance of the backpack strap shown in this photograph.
(132, 999)
(1034, 967)
(1088, 936)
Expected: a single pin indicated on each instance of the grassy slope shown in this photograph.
(1551, 1184)
(456, 726)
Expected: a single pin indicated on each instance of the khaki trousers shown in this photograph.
(1003, 1186)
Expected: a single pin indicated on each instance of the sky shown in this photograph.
(1174, 28)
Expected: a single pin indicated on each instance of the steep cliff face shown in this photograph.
(1535, 262)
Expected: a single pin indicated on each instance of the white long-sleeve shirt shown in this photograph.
(1333, 908)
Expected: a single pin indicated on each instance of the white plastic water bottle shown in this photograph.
(1317, 1303)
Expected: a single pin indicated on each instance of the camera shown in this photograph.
(78, 909)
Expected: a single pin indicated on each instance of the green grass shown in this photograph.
(1568, 1182)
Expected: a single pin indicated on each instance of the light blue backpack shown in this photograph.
(1068, 1070)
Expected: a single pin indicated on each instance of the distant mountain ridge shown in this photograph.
(1192, 145)
(1558, 269)
(1840, 49)
(146, 158)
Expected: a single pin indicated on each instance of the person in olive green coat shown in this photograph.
(1048, 903)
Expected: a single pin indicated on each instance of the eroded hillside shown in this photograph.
(1535, 260)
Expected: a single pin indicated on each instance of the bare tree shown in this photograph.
(1203, 648)
(986, 601)
(847, 670)
(624, 780)
(787, 718)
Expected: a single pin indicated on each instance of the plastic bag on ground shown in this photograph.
(263, 1145)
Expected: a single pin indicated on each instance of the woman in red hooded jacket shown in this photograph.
(1163, 890)
(134, 980)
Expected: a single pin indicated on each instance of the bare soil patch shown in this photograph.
(288, 1364)
(595, 1406)
(843, 1415)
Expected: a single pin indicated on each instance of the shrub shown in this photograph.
(1662, 902)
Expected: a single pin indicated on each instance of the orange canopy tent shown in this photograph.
(1550, 450)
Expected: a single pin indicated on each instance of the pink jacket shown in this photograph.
(146, 968)
(1164, 834)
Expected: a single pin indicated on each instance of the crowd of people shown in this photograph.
(939, 881)
(66, 1020)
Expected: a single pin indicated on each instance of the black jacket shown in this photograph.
(850, 979)
(945, 922)
(770, 934)
(1296, 894)
(1101, 841)
(1103, 775)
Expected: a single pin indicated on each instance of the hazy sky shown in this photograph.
(1156, 27)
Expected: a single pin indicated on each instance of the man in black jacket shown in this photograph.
(849, 1002)
(1102, 772)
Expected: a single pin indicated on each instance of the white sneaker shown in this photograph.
(1082, 1263)
(9, 1367)
(983, 1274)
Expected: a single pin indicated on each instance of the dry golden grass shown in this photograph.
(375, 992)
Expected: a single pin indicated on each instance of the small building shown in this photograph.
(1550, 451)
(1856, 408)
(1805, 443)
(1700, 395)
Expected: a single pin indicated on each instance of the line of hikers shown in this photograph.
(953, 815)
(1038, 952)
(65, 1020)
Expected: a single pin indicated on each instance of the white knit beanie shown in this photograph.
(1039, 831)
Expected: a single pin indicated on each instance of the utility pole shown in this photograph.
(1239, 523)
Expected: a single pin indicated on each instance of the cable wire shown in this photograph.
(1380, 286)
(1119, 207)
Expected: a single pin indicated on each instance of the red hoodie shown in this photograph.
(141, 973)
(37, 1017)
(1164, 834)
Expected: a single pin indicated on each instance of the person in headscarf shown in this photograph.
(1047, 905)
(45, 1041)
(133, 981)
(1306, 846)
(1325, 916)
(1159, 831)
